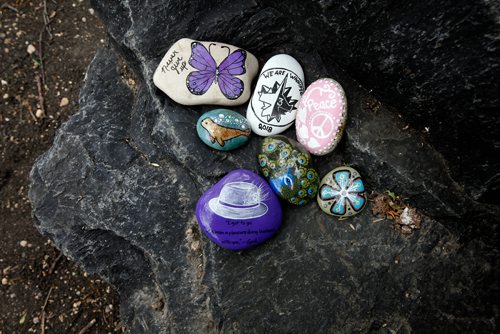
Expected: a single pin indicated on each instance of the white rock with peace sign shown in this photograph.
(321, 116)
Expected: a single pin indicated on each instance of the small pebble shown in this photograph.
(5, 96)
(36, 320)
(31, 49)
(39, 113)
(5, 281)
(23, 243)
(64, 102)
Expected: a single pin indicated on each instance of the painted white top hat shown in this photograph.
(239, 200)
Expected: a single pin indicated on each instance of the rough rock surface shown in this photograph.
(117, 190)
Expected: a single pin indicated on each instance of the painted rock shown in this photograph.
(274, 102)
(240, 211)
(223, 129)
(287, 166)
(321, 116)
(193, 72)
(342, 192)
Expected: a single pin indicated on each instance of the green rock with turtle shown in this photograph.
(287, 166)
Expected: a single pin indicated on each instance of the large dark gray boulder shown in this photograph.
(117, 190)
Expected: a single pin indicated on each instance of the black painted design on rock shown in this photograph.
(269, 111)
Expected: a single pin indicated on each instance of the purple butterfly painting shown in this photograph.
(198, 82)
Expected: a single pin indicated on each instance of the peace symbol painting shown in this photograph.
(321, 116)
(194, 72)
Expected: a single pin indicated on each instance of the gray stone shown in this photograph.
(117, 190)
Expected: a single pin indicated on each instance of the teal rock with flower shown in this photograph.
(223, 129)
(342, 192)
(287, 166)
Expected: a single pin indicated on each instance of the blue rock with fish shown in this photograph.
(223, 129)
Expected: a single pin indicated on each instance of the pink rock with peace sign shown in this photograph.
(321, 116)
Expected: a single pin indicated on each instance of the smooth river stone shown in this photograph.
(240, 211)
(274, 102)
(287, 166)
(223, 129)
(194, 72)
(342, 192)
(321, 116)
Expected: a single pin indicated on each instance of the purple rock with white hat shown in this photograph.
(240, 211)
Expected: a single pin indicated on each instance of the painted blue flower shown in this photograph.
(346, 193)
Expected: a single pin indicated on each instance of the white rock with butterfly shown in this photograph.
(194, 72)
(273, 106)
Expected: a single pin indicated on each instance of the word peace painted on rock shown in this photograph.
(321, 105)
(175, 63)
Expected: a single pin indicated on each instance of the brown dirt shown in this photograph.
(38, 284)
(392, 207)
